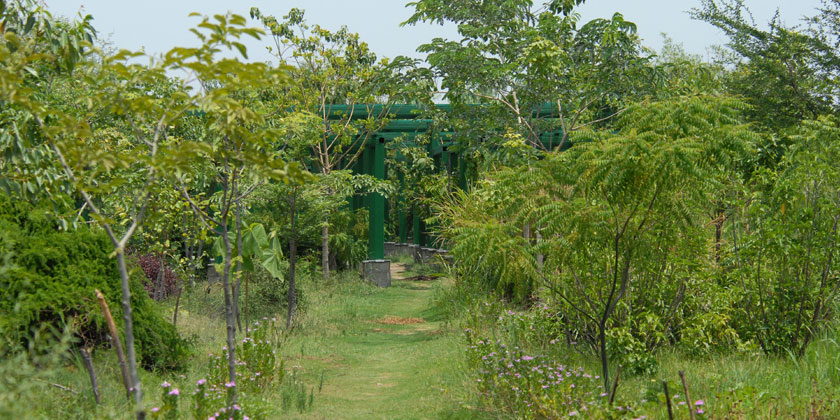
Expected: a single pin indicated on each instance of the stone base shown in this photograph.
(403, 250)
(415, 252)
(390, 249)
(377, 272)
(427, 255)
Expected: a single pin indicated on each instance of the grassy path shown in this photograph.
(384, 354)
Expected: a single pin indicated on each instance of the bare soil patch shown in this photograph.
(395, 320)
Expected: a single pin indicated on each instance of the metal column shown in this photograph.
(376, 238)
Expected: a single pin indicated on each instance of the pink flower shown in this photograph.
(699, 402)
(700, 411)
(174, 392)
(201, 382)
(230, 384)
(165, 385)
(155, 409)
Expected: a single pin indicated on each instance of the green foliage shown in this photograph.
(26, 363)
(787, 74)
(53, 278)
(517, 57)
(784, 259)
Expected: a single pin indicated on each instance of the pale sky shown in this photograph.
(158, 25)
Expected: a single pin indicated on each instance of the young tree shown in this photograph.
(619, 212)
(120, 90)
(236, 141)
(332, 69)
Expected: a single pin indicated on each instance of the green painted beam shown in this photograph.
(411, 111)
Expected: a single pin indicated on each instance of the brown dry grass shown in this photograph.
(395, 320)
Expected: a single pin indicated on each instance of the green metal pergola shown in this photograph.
(404, 125)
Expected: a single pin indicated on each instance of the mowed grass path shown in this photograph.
(383, 353)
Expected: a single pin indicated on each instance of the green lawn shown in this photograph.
(384, 353)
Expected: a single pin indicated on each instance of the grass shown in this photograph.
(363, 352)
(397, 353)
(385, 353)
(740, 386)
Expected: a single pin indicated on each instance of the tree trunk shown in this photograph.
(238, 265)
(247, 307)
(115, 341)
(718, 232)
(177, 304)
(94, 384)
(140, 411)
(229, 315)
(602, 350)
(325, 250)
(292, 259)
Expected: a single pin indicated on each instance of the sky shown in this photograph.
(158, 25)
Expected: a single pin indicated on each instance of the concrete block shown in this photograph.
(390, 249)
(427, 255)
(377, 272)
(415, 251)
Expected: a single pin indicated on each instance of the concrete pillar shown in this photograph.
(377, 272)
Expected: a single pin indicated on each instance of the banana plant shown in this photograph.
(258, 249)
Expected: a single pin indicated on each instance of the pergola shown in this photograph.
(404, 125)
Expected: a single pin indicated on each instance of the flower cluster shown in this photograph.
(535, 386)
(256, 369)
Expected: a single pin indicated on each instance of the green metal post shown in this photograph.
(462, 172)
(403, 222)
(446, 162)
(387, 213)
(417, 230)
(376, 239)
(367, 169)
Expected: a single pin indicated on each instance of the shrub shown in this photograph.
(52, 280)
(151, 265)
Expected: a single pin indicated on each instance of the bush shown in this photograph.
(151, 265)
(51, 279)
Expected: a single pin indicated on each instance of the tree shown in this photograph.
(620, 216)
(784, 250)
(332, 69)
(787, 74)
(537, 71)
(237, 140)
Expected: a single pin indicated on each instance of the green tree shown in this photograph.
(534, 66)
(236, 140)
(621, 217)
(784, 256)
(332, 70)
(787, 74)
